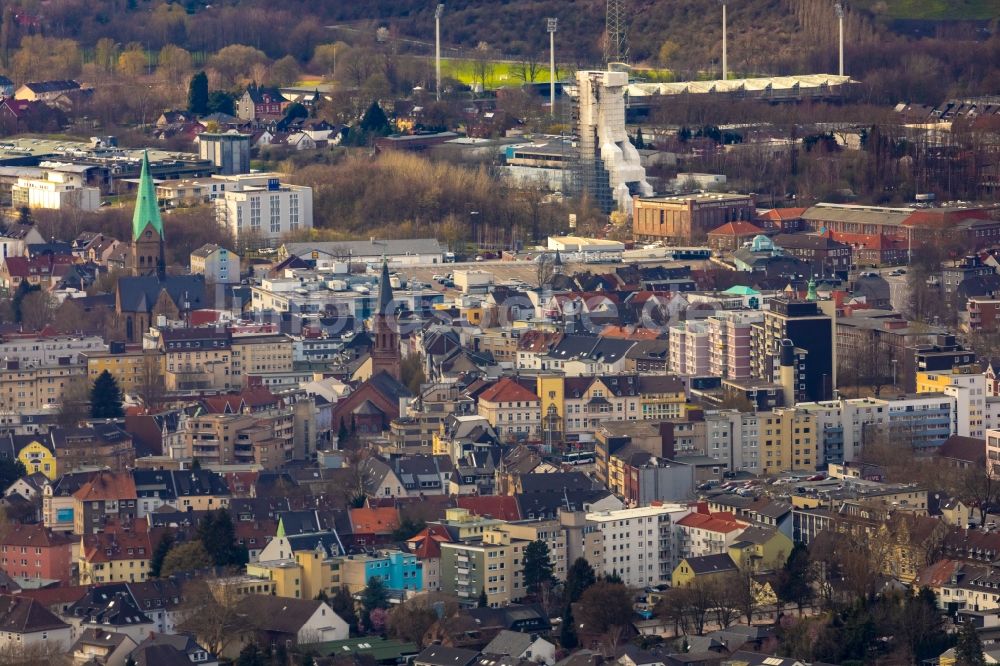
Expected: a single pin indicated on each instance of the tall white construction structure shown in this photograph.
(550, 25)
(839, 9)
(610, 169)
(725, 44)
(437, 49)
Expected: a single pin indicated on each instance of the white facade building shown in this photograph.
(54, 189)
(260, 216)
(217, 264)
(640, 544)
(45, 351)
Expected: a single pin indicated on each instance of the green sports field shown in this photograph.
(498, 74)
(956, 10)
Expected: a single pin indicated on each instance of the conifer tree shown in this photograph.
(105, 398)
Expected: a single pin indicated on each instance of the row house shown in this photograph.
(27, 388)
(34, 552)
(264, 438)
(705, 533)
(512, 410)
(576, 406)
(106, 497)
(196, 358)
(113, 557)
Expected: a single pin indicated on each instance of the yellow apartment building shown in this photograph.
(131, 368)
(787, 441)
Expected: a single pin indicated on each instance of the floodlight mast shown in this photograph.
(725, 44)
(839, 10)
(437, 48)
(551, 25)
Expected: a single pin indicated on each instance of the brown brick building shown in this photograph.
(688, 218)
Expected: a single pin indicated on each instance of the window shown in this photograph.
(293, 211)
(275, 214)
(255, 212)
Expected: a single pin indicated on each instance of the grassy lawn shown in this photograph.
(500, 74)
(934, 9)
(310, 80)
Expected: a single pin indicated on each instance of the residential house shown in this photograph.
(699, 568)
(102, 648)
(260, 103)
(34, 552)
(28, 625)
(216, 263)
(518, 645)
(106, 496)
(512, 410)
(161, 649)
(283, 621)
(46, 91)
(440, 655)
(122, 555)
(704, 533)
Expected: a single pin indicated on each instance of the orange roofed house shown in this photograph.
(106, 496)
(373, 527)
(514, 411)
(731, 235)
(427, 547)
(708, 533)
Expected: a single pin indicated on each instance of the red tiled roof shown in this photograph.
(936, 574)
(715, 522)
(115, 547)
(501, 507)
(261, 531)
(241, 483)
(538, 341)
(940, 216)
(51, 596)
(107, 486)
(738, 228)
(629, 332)
(374, 521)
(781, 214)
(507, 390)
(42, 265)
(37, 536)
(427, 544)
(251, 397)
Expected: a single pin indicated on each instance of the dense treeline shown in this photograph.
(800, 36)
(398, 195)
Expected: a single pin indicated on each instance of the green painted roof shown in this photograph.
(147, 211)
(740, 290)
(380, 649)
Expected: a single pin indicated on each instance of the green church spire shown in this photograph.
(147, 211)
(811, 294)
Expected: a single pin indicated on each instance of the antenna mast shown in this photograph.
(616, 49)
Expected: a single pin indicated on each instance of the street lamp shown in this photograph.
(550, 25)
(839, 10)
(473, 217)
(437, 48)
